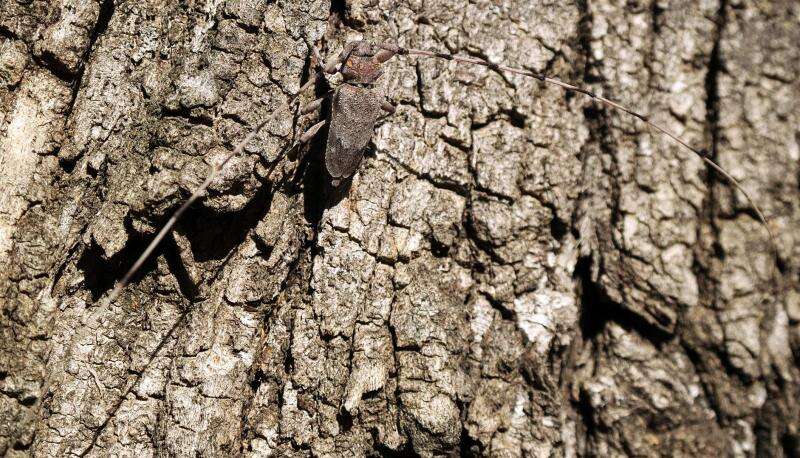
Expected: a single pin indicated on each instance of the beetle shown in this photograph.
(357, 105)
(355, 108)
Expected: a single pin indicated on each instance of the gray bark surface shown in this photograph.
(514, 271)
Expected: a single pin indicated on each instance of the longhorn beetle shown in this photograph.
(356, 107)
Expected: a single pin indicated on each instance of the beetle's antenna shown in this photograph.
(702, 153)
(198, 193)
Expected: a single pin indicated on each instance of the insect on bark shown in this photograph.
(355, 108)
(356, 105)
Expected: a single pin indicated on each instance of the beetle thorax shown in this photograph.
(360, 65)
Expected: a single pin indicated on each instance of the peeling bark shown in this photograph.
(513, 271)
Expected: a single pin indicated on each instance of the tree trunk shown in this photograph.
(513, 271)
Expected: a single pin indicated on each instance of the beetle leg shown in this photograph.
(305, 138)
(388, 107)
(387, 51)
(309, 134)
(312, 106)
(330, 66)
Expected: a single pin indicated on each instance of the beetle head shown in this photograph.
(360, 62)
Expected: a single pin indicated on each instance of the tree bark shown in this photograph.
(514, 270)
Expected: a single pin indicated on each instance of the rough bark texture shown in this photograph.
(514, 271)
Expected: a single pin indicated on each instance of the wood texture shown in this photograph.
(514, 271)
